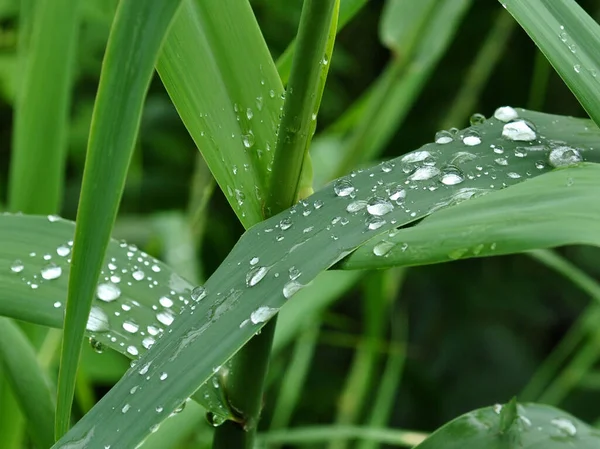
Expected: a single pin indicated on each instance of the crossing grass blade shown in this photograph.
(569, 38)
(253, 282)
(29, 382)
(132, 50)
(215, 55)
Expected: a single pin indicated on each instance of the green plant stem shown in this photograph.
(250, 364)
(309, 68)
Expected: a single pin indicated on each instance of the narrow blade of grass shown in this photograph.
(132, 50)
(28, 381)
(570, 39)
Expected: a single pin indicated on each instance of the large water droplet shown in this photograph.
(343, 187)
(198, 293)
(382, 248)
(165, 317)
(471, 138)
(424, 173)
(565, 426)
(130, 326)
(416, 156)
(443, 137)
(356, 206)
(108, 292)
(51, 271)
(379, 206)
(285, 224)
(564, 156)
(451, 175)
(262, 314)
(374, 222)
(397, 194)
(519, 130)
(255, 275)
(291, 288)
(506, 114)
(63, 250)
(97, 320)
(248, 139)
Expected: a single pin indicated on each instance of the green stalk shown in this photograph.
(316, 34)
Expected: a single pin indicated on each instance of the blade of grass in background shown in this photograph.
(28, 381)
(238, 300)
(490, 52)
(585, 326)
(570, 39)
(220, 76)
(539, 82)
(131, 54)
(348, 9)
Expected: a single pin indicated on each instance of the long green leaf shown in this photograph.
(570, 39)
(28, 381)
(131, 54)
(257, 278)
(40, 127)
(529, 426)
(220, 76)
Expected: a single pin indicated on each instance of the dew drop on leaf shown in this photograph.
(451, 175)
(506, 114)
(255, 275)
(343, 187)
(424, 173)
(97, 320)
(564, 156)
(379, 206)
(17, 266)
(443, 137)
(519, 131)
(262, 314)
(471, 138)
(291, 288)
(382, 248)
(198, 293)
(108, 292)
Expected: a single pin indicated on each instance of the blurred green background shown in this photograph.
(477, 329)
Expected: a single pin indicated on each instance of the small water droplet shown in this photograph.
(108, 292)
(451, 175)
(255, 275)
(343, 187)
(387, 166)
(382, 248)
(476, 119)
(565, 426)
(519, 130)
(294, 273)
(506, 114)
(471, 138)
(416, 156)
(501, 161)
(125, 408)
(138, 275)
(443, 137)
(96, 345)
(254, 261)
(248, 139)
(397, 194)
(17, 266)
(577, 68)
(51, 271)
(132, 350)
(63, 250)
(291, 288)
(356, 206)
(249, 113)
(165, 301)
(374, 222)
(424, 173)
(240, 197)
(165, 317)
(163, 376)
(53, 218)
(285, 224)
(262, 314)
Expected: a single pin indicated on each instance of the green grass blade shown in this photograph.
(307, 80)
(253, 282)
(348, 9)
(41, 113)
(215, 55)
(570, 39)
(28, 381)
(131, 54)
(533, 426)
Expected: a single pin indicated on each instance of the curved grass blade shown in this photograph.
(529, 426)
(215, 55)
(570, 39)
(40, 127)
(276, 258)
(132, 50)
(29, 382)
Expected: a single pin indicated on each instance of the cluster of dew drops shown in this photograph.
(420, 165)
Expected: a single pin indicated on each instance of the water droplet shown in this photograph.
(57, 304)
(255, 275)
(497, 408)
(147, 342)
(262, 314)
(387, 166)
(564, 156)
(198, 293)
(96, 345)
(501, 161)
(513, 175)
(130, 326)
(424, 173)
(443, 137)
(163, 376)
(132, 350)
(165, 317)
(356, 206)
(476, 119)
(451, 175)
(97, 320)
(471, 138)
(318, 204)
(519, 130)
(374, 222)
(291, 288)
(379, 206)
(577, 68)
(294, 273)
(397, 194)
(63, 250)
(520, 152)
(108, 292)
(138, 275)
(17, 266)
(165, 301)
(498, 149)
(506, 114)
(254, 261)
(214, 419)
(249, 113)
(285, 224)
(155, 268)
(125, 408)
(240, 197)
(53, 218)
(248, 139)
(382, 248)
(51, 271)
(565, 426)
(343, 187)
(415, 156)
